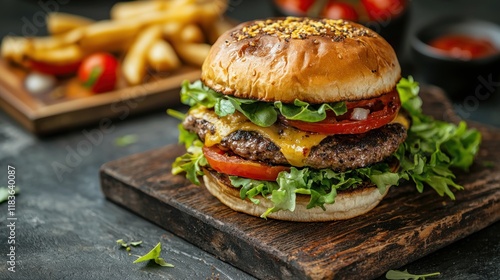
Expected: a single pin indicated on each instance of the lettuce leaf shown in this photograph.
(259, 112)
(321, 185)
(192, 161)
(432, 149)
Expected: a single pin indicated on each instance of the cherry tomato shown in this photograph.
(382, 110)
(337, 10)
(98, 72)
(298, 7)
(222, 162)
(383, 9)
(54, 69)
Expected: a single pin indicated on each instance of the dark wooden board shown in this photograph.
(404, 227)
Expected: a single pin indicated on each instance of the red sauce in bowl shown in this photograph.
(464, 47)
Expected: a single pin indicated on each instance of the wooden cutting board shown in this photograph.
(69, 105)
(404, 227)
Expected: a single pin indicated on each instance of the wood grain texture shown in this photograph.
(404, 227)
(70, 105)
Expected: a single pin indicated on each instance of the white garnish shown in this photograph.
(37, 83)
(359, 114)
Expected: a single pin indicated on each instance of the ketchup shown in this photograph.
(464, 47)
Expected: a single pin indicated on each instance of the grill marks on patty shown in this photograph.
(338, 152)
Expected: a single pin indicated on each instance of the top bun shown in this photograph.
(316, 61)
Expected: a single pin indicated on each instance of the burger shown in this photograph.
(296, 119)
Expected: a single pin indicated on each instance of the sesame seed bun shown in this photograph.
(317, 61)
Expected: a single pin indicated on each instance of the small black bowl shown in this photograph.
(458, 77)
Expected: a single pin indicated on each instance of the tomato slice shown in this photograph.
(54, 69)
(222, 162)
(382, 110)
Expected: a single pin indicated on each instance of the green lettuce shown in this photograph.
(432, 149)
(260, 113)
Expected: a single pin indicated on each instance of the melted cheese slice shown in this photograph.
(294, 144)
(402, 120)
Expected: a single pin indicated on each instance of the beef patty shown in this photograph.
(339, 152)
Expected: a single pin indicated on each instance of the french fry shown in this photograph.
(58, 23)
(134, 63)
(108, 35)
(162, 57)
(67, 54)
(191, 33)
(161, 34)
(58, 41)
(183, 16)
(192, 53)
(171, 30)
(15, 48)
(128, 10)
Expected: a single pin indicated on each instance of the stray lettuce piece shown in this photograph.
(4, 193)
(135, 243)
(405, 275)
(126, 140)
(154, 255)
(126, 245)
(122, 243)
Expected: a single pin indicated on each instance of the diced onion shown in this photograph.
(359, 114)
(37, 83)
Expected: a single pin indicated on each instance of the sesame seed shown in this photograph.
(301, 28)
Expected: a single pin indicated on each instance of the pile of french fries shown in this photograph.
(156, 34)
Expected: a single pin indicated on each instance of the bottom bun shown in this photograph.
(348, 204)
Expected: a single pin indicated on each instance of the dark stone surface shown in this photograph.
(67, 230)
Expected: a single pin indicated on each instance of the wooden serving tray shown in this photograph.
(69, 105)
(404, 227)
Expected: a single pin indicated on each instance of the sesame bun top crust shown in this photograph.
(316, 61)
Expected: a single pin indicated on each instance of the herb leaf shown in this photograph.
(405, 275)
(154, 254)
